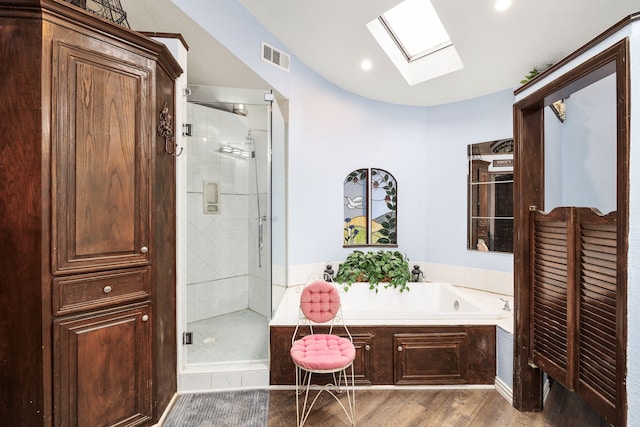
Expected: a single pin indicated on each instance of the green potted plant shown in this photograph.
(374, 267)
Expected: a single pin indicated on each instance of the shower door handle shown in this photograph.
(261, 221)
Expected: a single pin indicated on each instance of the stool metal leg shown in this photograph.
(303, 383)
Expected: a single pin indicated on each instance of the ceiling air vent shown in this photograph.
(274, 56)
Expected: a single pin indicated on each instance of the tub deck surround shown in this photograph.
(412, 338)
(426, 303)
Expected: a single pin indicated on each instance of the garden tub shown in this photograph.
(433, 334)
(425, 303)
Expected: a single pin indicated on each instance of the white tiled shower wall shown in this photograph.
(221, 247)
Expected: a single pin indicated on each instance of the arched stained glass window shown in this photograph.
(370, 208)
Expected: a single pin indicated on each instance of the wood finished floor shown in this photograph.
(438, 408)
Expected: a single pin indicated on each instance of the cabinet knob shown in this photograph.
(367, 347)
(399, 348)
(107, 289)
(145, 317)
(144, 249)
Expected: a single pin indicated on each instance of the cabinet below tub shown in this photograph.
(404, 355)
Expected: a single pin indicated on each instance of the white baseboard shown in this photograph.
(504, 390)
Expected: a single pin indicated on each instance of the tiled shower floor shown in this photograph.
(234, 337)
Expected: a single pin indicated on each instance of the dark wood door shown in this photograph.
(600, 300)
(102, 369)
(101, 156)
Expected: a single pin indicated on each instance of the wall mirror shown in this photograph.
(490, 196)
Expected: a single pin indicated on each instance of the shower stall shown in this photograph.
(228, 235)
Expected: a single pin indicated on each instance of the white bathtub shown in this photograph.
(424, 304)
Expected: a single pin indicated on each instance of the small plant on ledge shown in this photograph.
(390, 267)
(534, 73)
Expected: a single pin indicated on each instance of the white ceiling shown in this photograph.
(330, 36)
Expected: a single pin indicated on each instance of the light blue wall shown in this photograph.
(332, 132)
(552, 160)
(589, 152)
(242, 34)
(633, 278)
(580, 154)
(504, 357)
(450, 128)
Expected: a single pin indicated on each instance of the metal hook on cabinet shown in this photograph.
(175, 147)
(165, 130)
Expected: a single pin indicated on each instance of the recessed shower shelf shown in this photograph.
(211, 197)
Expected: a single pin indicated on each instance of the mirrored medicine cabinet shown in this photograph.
(490, 196)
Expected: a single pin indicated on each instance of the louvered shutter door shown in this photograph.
(552, 285)
(597, 317)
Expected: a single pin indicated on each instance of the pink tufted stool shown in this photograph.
(322, 353)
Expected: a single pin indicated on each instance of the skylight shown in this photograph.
(416, 27)
(416, 41)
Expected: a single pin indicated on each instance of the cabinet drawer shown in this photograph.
(89, 291)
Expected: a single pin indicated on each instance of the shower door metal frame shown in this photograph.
(219, 98)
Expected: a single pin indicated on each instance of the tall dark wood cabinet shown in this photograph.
(87, 220)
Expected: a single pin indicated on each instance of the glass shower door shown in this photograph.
(228, 244)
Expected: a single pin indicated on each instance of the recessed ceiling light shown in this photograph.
(502, 5)
(366, 65)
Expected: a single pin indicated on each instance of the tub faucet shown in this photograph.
(329, 273)
(416, 274)
(506, 305)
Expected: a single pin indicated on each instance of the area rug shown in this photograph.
(242, 408)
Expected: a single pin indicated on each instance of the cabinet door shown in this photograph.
(362, 365)
(102, 369)
(101, 156)
(430, 358)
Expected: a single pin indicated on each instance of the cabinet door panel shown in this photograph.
(102, 369)
(431, 358)
(101, 148)
(362, 365)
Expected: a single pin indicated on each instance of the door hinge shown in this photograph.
(187, 338)
(186, 129)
